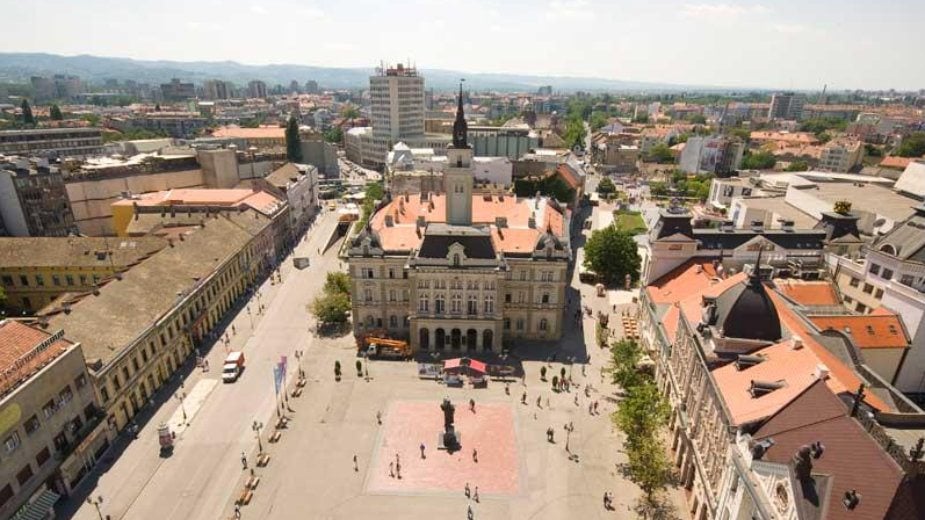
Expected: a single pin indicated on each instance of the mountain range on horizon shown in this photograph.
(19, 67)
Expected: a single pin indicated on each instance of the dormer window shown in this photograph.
(761, 388)
(456, 260)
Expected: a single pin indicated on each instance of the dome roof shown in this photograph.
(745, 311)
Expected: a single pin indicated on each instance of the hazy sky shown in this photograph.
(772, 43)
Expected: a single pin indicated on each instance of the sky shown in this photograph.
(799, 44)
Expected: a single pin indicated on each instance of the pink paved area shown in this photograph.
(407, 424)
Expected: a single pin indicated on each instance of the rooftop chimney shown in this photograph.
(821, 372)
(803, 463)
(796, 342)
(388, 221)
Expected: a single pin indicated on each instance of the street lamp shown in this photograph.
(180, 396)
(96, 503)
(256, 427)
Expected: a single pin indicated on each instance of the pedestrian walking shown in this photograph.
(547, 403)
(538, 401)
(595, 407)
(475, 455)
(523, 398)
(237, 511)
(234, 330)
(243, 460)
(472, 405)
(475, 496)
(422, 451)
(379, 417)
(398, 470)
(397, 459)
(356, 467)
(468, 491)
(469, 514)
(576, 399)
(392, 469)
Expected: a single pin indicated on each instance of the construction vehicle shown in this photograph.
(376, 346)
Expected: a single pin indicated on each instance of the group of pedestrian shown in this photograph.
(470, 514)
(395, 468)
(608, 501)
(592, 408)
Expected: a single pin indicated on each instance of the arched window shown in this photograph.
(423, 303)
(393, 321)
(544, 324)
(370, 321)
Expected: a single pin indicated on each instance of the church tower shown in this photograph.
(458, 176)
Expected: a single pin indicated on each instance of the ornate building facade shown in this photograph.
(461, 271)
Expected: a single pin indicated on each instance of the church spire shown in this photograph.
(460, 128)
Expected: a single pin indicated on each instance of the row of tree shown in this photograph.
(641, 415)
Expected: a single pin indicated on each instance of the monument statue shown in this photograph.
(448, 412)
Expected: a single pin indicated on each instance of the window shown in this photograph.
(6, 494)
(544, 324)
(7, 280)
(32, 424)
(868, 288)
(90, 411)
(848, 299)
(83, 279)
(874, 269)
(115, 383)
(66, 394)
(906, 279)
(861, 308)
(878, 293)
(56, 280)
(391, 295)
(69, 279)
(545, 298)
(367, 272)
(24, 474)
(125, 374)
(144, 355)
(423, 303)
(12, 442)
(507, 298)
(42, 457)
(40, 280)
(523, 275)
(49, 409)
(391, 273)
(135, 364)
(23, 280)
(439, 304)
(393, 321)
(456, 260)
(368, 294)
(489, 304)
(456, 303)
(507, 324)
(854, 282)
(887, 274)
(520, 324)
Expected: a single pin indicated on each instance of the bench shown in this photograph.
(245, 497)
(297, 392)
(252, 483)
(275, 437)
(263, 460)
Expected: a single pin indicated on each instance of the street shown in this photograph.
(197, 481)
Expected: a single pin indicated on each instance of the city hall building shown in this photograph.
(461, 271)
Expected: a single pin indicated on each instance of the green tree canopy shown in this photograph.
(334, 135)
(27, 117)
(55, 113)
(648, 466)
(798, 166)
(658, 189)
(697, 119)
(612, 254)
(331, 307)
(550, 186)
(762, 160)
(606, 186)
(293, 141)
(913, 145)
(350, 112)
(661, 154)
(598, 121)
(574, 133)
(337, 282)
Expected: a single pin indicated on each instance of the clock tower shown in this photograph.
(458, 177)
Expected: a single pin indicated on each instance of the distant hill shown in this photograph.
(18, 67)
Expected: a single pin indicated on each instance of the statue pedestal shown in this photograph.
(450, 440)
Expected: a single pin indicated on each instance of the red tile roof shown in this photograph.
(808, 293)
(851, 458)
(17, 360)
(880, 330)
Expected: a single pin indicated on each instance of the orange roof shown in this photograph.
(794, 368)
(848, 380)
(795, 138)
(808, 292)
(682, 281)
(259, 200)
(517, 237)
(18, 340)
(263, 132)
(893, 161)
(879, 330)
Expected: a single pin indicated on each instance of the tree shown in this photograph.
(798, 166)
(27, 117)
(293, 141)
(913, 145)
(574, 133)
(350, 112)
(337, 282)
(331, 308)
(658, 189)
(842, 207)
(598, 121)
(697, 119)
(93, 119)
(334, 135)
(55, 113)
(641, 118)
(661, 153)
(648, 466)
(762, 160)
(606, 186)
(612, 254)
(626, 355)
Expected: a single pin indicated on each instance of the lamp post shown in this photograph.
(256, 426)
(96, 503)
(181, 395)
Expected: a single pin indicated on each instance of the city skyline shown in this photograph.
(774, 45)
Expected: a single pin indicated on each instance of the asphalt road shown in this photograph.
(198, 481)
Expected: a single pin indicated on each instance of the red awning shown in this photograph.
(452, 363)
(477, 366)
